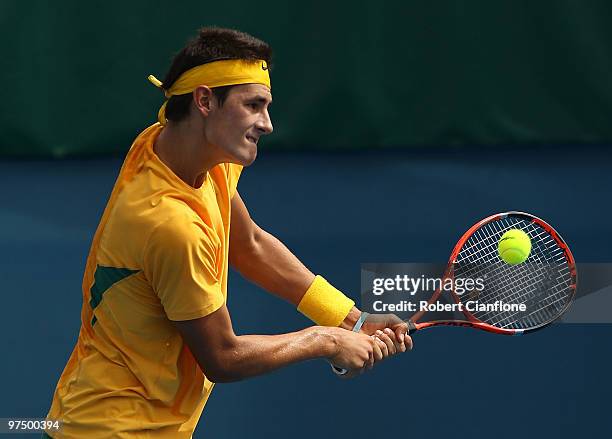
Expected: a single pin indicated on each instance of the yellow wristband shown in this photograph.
(324, 304)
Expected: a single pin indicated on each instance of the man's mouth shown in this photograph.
(252, 139)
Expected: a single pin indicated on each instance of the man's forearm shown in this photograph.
(271, 265)
(253, 355)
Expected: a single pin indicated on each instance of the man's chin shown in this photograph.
(248, 156)
(251, 159)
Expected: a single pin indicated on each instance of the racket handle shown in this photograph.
(360, 321)
(411, 327)
(340, 371)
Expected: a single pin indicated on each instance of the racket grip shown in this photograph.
(360, 321)
(411, 327)
(340, 371)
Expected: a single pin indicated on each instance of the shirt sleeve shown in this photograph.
(233, 173)
(180, 262)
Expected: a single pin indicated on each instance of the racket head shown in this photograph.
(546, 282)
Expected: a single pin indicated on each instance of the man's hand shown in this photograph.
(389, 330)
(354, 351)
(392, 330)
(389, 335)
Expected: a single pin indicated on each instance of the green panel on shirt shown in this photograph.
(104, 278)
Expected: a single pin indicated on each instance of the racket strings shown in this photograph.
(538, 273)
(503, 282)
(542, 283)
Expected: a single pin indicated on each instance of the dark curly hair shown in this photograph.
(211, 44)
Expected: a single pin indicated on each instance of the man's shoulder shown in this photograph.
(181, 226)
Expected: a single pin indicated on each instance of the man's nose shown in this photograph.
(264, 124)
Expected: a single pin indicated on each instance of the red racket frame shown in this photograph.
(472, 321)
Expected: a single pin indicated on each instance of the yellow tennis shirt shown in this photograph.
(160, 253)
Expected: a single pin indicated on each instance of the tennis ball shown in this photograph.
(514, 247)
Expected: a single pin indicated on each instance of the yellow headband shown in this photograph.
(214, 74)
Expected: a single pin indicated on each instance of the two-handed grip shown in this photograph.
(341, 371)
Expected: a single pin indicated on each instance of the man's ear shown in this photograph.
(203, 99)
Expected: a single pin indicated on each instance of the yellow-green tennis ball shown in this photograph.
(514, 247)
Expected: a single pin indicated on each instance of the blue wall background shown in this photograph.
(504, 75)
(384, 207)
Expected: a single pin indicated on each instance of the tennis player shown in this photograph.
(156, 332)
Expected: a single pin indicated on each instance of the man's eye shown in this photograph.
(252, 105)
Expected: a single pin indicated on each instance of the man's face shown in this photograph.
(235, 128)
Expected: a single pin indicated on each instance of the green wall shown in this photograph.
(347, 74)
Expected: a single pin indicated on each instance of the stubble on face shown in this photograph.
(236, 127)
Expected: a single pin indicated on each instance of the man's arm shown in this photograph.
(261, 258)
(264, 260)
(223, 356)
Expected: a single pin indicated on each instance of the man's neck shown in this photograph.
(182, 151)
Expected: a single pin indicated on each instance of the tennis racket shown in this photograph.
(545, 283)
